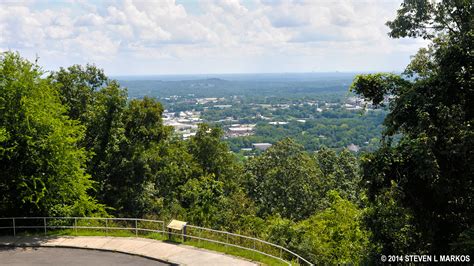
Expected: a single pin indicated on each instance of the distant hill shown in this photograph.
(280, 85)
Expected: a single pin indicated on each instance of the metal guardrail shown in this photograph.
(137, 226)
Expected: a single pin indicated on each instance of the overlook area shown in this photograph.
(107, 141)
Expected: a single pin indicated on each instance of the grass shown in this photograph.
(247, 254)
(255, 256)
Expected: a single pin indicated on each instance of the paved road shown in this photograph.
(70, 257)
(175, 254)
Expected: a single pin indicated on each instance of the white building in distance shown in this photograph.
(261, 146)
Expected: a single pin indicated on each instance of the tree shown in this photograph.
(105, 137)
(392, 224)
(98, 103)
(42, 170)
(341, 172)
(334, 236)
(172, 167)
(130, 173)
(119, 136)
(78, 85)
(143, 122)
(432, 111)
(201, 198)
(285, 180)
(212, 153)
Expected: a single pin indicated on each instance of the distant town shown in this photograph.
(240, 117)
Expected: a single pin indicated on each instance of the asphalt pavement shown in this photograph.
(154, 250)
(16, 256)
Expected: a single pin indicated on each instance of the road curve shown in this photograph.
(148, 248)
(43, 256)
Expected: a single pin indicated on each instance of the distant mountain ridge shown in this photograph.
(247, 85)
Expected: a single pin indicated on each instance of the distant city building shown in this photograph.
(184, 123)
(262, 117)
(188, 135)
(237, 130)
(206, 100)
(222, 106)
(352, 147)
(283, 106)
(240, 129)
(277, 123)
(261, 146)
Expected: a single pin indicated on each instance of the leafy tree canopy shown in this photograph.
(285, 180)
(42, 170)
(432, 109)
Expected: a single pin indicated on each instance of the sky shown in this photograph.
(163, 37)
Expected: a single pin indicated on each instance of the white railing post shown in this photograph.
(75, 225)
(227, 241)
(163, 229)
(254, 244)
(44, 221)
(136, 227)
(106, 227)
(200, 234)
(14, 228)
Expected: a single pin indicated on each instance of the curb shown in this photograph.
(87, 248)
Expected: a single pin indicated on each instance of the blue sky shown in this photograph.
(198, 37)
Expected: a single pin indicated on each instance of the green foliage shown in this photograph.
(75, 133)
(173, 166)
(77, 85)
(104, 133)
(285, 180)
(129, 180)
(341, 172)
(376, 86)
(201, 197)
(212, 154)
(432, 164)
(57, 132)
(428, 19)
(392, 224)
(465, 242)
(119, 136)
(335, 235)
(42, 170)
(335, 128)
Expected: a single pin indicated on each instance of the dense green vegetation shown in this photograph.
(41, 164)
(118, 153)
(426, 178)
(334, 129)
(72, 144)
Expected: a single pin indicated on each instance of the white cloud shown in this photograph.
(227, 35)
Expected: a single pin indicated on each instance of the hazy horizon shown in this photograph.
(241, 74)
